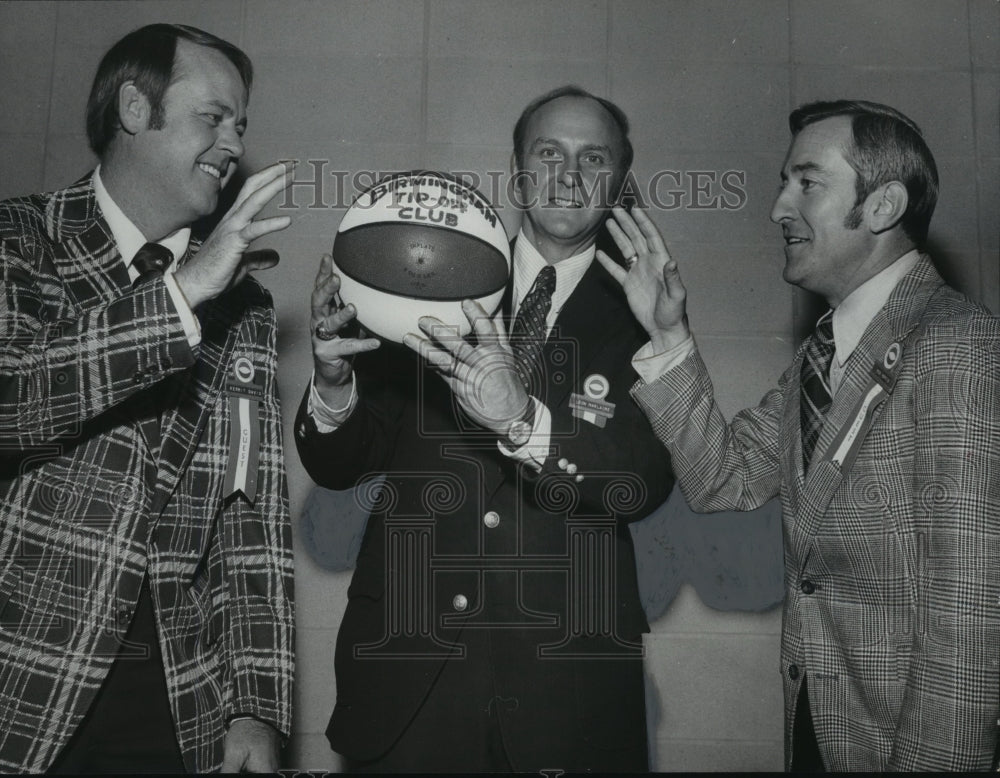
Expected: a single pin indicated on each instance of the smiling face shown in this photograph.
(571, 162)
(186, 162)
(814, 208)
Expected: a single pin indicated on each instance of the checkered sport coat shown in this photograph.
(95, 492)
(892, 569)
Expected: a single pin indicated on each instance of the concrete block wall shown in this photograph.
(400, 84)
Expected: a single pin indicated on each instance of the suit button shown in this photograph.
(460, 602)
(808, 587)
(138, 378)
(793, 672)
(124, 615)
(491, 519)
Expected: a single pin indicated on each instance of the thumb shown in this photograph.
(672, 279)
(261, 259)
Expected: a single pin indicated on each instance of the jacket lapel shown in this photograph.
(589, 317)
(892, 324)
(90, 267)
(191, 395)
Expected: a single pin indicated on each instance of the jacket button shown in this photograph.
(793, 672)
(491, 519)
(808, 587)
(460, 602)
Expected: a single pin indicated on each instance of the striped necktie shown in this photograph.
(815, 382)
(527, 334)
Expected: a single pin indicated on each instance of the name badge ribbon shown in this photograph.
(245, 392)
(590, 406)
(845, 446)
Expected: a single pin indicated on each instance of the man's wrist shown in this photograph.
(666, 340)
(518, 432)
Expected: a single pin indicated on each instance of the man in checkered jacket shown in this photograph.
(145, 557)
(883, 441)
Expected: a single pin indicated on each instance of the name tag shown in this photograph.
(244, 392)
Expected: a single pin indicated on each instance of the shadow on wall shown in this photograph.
(733, 560)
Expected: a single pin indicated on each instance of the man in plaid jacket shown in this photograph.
(883, 441)
(145, 559)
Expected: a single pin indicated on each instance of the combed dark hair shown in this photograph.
(887, 146)
(146, 58)
(617, 114)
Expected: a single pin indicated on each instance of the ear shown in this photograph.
(133, 108)
(887, 206)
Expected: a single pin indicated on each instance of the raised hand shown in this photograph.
(652, 282)
(331, 351)
(223, 260)
(482, 377)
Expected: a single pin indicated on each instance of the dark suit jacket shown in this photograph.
(95, 493)
(892, 598)
(551, 612)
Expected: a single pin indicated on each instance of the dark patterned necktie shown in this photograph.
(815, 382)
(527, 335)
(151, 260)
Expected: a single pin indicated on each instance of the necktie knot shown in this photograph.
(151, 260)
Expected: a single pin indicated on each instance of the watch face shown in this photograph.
(519, 433)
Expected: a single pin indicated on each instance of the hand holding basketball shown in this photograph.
(482, 377)
(331, 352)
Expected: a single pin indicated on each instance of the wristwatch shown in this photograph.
(520, 429)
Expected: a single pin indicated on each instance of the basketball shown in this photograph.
(417, 244)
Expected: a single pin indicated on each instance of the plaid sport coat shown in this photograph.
(114, 445)
(892, 578)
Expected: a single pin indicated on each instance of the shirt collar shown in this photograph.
(128, 237)
(852, 317)
(528, 262)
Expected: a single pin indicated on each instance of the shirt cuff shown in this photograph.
(651, 366)
(192, 329)
(535, 451)
(329, 419)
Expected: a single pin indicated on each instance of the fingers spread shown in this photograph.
(260, 259)
(617, 271)
(620, 238)
(323, 294)
(484, 327)
(649, 230)
(256, 229)
(277, 175)
(629, 227)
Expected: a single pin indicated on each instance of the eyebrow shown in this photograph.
(804, 167)
(592, 147)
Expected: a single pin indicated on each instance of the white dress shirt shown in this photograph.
(129, 239)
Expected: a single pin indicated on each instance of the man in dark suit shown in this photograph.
(882, 439)
(146, 578)
(494, 621)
